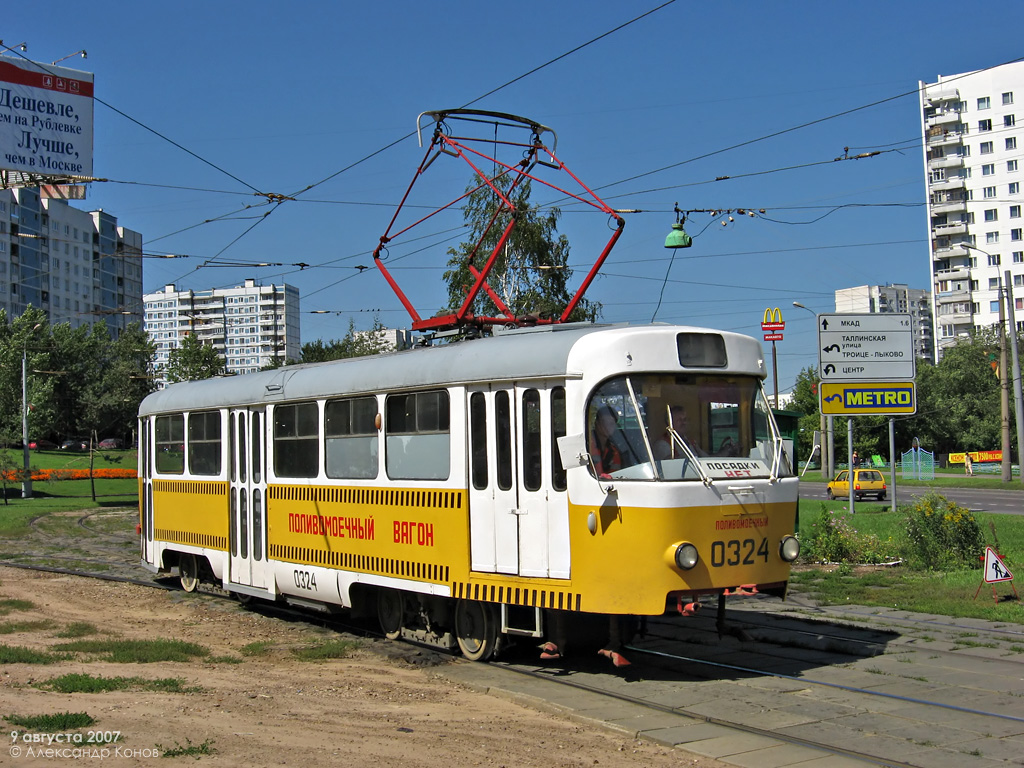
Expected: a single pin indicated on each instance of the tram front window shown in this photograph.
(683, 427)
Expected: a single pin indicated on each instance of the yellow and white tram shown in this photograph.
(459, 491)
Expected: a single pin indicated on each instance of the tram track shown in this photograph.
(718, 721)
(766, 676)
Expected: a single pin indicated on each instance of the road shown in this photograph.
(996, 500)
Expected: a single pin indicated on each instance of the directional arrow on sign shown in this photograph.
(830, 368)
(831, 348)
(824, 323)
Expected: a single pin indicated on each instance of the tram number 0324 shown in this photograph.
(736, 552)
(305, 580)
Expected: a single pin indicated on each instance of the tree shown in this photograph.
(192, 360)
(958, 399)
(354, 344)
(531, 274)
(113, 405)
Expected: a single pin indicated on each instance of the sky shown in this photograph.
(205, 102)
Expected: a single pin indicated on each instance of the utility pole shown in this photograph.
(1018, 398)
(1004, 388)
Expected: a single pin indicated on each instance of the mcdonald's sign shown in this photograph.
(773, 320)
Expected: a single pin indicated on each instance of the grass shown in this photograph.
(81, 683)
(328, 649)
(258, 648)
(10, 627)
(9, 604)
(58, 722)
(16, 654)
(78, 629)
(134, 651)
(948, 594)
(189, 750)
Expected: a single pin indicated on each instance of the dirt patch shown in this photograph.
(270, 709)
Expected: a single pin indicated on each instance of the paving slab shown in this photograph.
(681, 735)
(723, 747)
(778, 757)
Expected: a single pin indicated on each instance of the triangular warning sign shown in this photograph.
(995, 568)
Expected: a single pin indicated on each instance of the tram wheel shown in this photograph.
(188, 572)
(476, 630)
(391, 612)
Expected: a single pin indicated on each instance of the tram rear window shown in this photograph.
(701, 350)
(170, 444)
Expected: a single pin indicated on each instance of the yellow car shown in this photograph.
(866, 482)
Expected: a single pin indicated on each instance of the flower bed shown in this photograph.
(107, 473)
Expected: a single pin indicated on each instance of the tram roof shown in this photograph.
(512, 355)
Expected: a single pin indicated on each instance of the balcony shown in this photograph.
(950, 228)
(950, 206)
(949, 161)
(937, 94)
(945, 137)
(954, 273)
(950, 252)
(953, 182)
(943, 117)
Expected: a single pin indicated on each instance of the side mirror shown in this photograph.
(572, 450)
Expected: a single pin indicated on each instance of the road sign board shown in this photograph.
(868, 398)
(995, 568)
(865, 347)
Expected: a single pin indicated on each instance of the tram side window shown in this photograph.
(170, 444)
(204, 443)
(418, 441)
(532, 469)
(478, 439)
(503, 439)
(296, 440)
(350, 435)
(557, 431)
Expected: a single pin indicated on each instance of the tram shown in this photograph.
(465, 493)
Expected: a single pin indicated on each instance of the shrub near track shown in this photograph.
(911, 585)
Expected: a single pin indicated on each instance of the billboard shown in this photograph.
(45, 118)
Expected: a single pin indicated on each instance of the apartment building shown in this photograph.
(972, 170)
(80, 267)
(250, 325)
(896, 298)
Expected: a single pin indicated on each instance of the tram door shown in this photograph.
(514, 525)
(146, 491)
(247, 496)
(493, 501)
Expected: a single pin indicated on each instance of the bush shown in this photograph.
(940, 535)
(833, 539)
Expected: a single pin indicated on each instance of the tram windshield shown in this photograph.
(672, 427)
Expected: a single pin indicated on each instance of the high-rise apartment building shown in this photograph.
(897, 298)
(972, 167)
(249, 325)
(78, 266)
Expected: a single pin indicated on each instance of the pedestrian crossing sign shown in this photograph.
(995, 568)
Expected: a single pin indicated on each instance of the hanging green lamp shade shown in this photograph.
(678, 238)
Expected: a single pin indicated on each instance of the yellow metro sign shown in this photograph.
(868, 398)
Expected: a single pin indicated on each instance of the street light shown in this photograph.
(828, 458)
(26, 478)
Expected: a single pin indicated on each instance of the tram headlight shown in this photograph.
(789, 548)
(686, 556)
